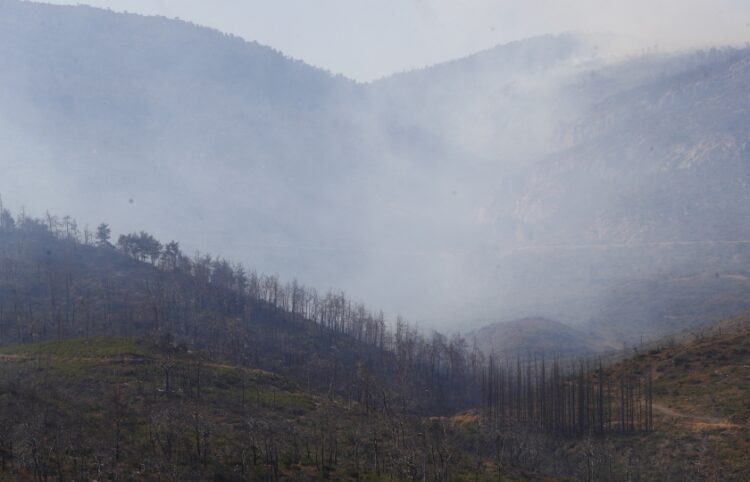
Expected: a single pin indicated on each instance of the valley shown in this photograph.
(218, 262)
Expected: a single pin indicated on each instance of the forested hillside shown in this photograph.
(58, 282)
(181, 339)
(191, 367)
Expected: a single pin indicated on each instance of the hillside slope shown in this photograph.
(702, 406)
(58, 282)
(649, 191)
(536, 337)
(169, 125)
(700, 411)
(124, 408)
(242, 377)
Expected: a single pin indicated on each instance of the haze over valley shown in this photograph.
(374, 240)
(535, 178)
(434, 194)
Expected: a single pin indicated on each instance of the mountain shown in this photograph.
(58, 283)
(552, 176)
(200, 134)
(537, 177)
(537, 337)
(648, 197)
(591, 177)
(652, 164)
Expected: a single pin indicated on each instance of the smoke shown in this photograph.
(349, 37)
(421, 194)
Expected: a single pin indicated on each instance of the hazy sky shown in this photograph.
(372, 38)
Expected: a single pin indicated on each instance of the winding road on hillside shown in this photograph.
(698, 421)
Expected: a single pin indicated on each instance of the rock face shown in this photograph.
(665, 162)
(647, 211)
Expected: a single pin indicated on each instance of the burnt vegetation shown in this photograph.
(60, 283)
(129, 358)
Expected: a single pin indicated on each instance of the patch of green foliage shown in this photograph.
(84, 348)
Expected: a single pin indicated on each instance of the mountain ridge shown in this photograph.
(537, 337)
(233, 148)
